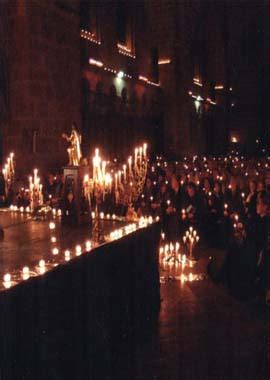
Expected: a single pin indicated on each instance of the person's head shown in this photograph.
(263, 203)
(233, 183)
(206, 184)
(217, 187)
(70, 197)
(148, 183)
(163, 188)
(50, 178)
(74, 125)
(191, 189)
(261, 186)
(174, 183)
(252, 186)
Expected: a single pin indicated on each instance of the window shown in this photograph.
(121, 22)
(124, 28)
(90, 17)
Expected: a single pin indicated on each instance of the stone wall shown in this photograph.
(44, 86)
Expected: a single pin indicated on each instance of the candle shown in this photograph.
(52, 225)
(116, 181)
(136, 154)
(55, 251)
(103, 168)
(140, 153)
(88, 245)
(144, 149)
(129, 164)
(78, 250)
(67, 255)
(125, 172)
(7, 277)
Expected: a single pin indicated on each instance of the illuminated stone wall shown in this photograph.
(119, 112)
(190, 38)
(44, 94)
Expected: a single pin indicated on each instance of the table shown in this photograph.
(76, 312)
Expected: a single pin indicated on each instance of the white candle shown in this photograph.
(136, 154)
(125, 172)
(144, 149)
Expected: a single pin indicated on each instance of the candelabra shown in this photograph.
(9, 172)
(35, 192)
(190, 239)
(172, 254)
(95, 189)
(130, 181)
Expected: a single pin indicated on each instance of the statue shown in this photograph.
(74, 151)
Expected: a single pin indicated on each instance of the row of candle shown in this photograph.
(55, 212)
(42, 266)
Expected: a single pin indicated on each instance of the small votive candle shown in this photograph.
(55, 251)
(7, 277)
(88, 245)
(67, 255)
(52, 225)
(78, 250)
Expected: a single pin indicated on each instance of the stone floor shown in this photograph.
(201, 333)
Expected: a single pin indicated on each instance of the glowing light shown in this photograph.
(25, 270)
(67, 255)
(120, 74)
(7, 277)
(164, 61)
(78, 250)
(55, 251)
(88, 245)
(52, 225)
(94, 62)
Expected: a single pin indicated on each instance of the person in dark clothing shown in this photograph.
(251, 199)
(233, 199)
(172, 214)
(247, 266)
(193, 207)
(214, 215)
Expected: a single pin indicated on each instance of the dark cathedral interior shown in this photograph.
(134, 189)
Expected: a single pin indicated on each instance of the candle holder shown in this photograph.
(95, 189)
(9, 173)
(35, 192)
(190, 239)
(172, 255)
(128, 188)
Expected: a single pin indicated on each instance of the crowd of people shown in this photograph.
(227, 200)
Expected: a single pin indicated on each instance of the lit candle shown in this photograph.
(78, 250)
(52, 225)
(129, 164)
(125, 172)
(67, 255)
(144, 149)
(55, 251)
(88, 245)
(7, 277)
(140, 153)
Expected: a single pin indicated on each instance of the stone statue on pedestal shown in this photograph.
(74, 151)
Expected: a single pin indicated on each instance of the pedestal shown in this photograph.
(75, 207)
